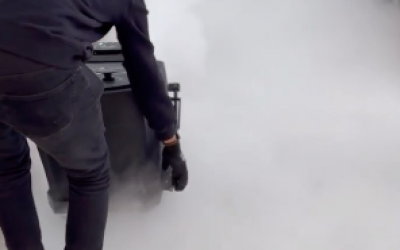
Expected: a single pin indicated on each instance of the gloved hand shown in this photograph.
(173, 159)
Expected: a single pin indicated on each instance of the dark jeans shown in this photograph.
(60, 111)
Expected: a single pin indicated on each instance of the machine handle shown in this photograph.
(175, 88)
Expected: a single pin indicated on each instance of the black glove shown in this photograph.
(173, 159)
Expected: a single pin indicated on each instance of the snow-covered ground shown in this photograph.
(291, 126)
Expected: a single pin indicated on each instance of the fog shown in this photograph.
(291, 128)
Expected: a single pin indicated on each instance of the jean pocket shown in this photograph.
(45, 114)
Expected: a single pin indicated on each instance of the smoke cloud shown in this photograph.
(290, 126)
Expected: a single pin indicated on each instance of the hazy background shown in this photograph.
(291, 127)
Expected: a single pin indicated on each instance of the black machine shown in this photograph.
(135, 153)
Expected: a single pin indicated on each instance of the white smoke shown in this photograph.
(293, 146)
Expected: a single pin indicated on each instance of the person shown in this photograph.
(49, 96)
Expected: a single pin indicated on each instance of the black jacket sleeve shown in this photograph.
(148, 85)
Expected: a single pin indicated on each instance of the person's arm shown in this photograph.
(147, 83)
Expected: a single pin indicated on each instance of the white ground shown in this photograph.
(291, 126)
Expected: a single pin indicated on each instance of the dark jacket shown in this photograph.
(60, 33)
